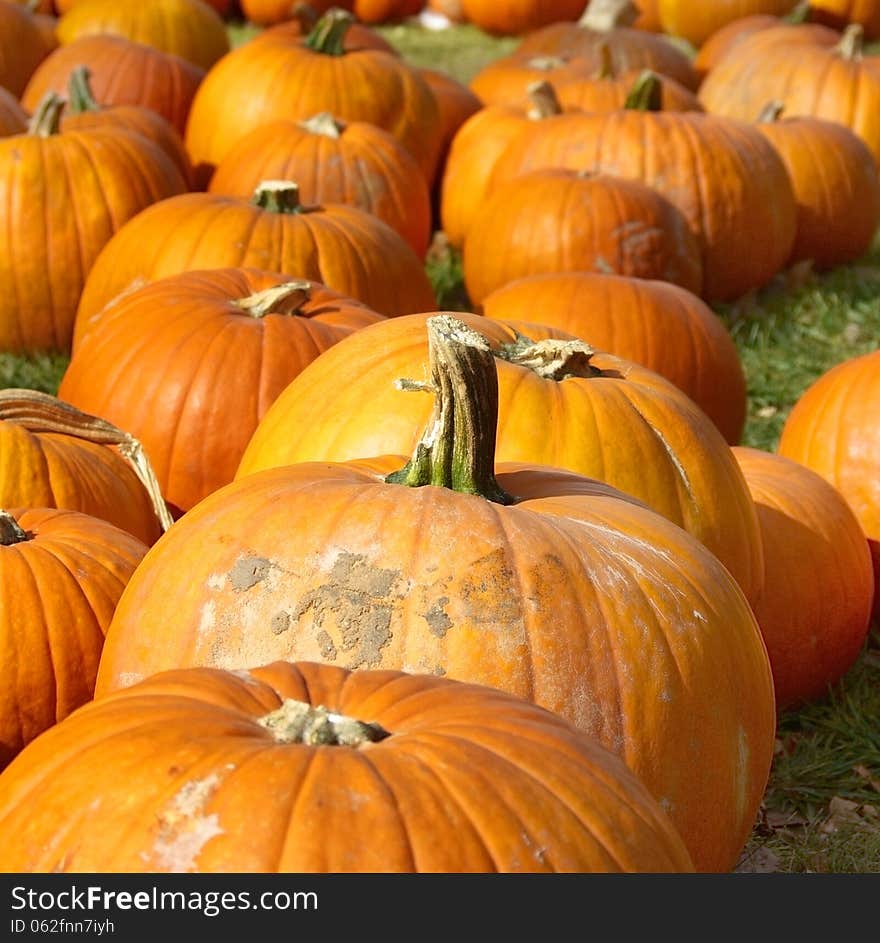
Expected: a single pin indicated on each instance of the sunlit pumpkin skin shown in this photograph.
(385, 11)
(836, 185)
(840, 13)
(340, 246)
(22, 47)
(61, 575)
(649, 16)
(815, 608)
(808, 78)
(724, 176)
(189, 364)
(658, 325)
(62, 196)
(288, 79)
(270, 12)
(553, 221)
(121, 73)
(456, 103)
(334, 162)
(186, 28)
(696, 22)
(834, 429)
(223, 7)
(570, 594)
(13, 118)
(442, 777)
(475, 149)
(609, 93)
(504, 81)
(515, 17)
(638, 433)
(357, 37)
(607, 28)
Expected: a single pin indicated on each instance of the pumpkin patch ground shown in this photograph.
(359, 642)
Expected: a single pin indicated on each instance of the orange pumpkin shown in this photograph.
(439, 776)
(61, 575)
(553, 221)
(658, 325)
(384, 11)
(121, 73)
(503, 81)
(270, 12)
(333, 161)
(696, 22)
(187, 28)
(815, 608)
(223, 7)
(841, 13)
(514, 17)
(305, 18)
(343, 247)
(190, 363)
(22, 47)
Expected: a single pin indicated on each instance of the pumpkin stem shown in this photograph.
(546, 63)
(278, 196)
(305, 14)
(328, 34)
(606, 15)
(324, 123)
(799, 15)
(46, 120)
(771, 112)
(646, 94)
(79, 91)
(39, 412)
(551, 359)
(544, 101)
(298, 722)
(457, 448)
(265, 302)
(10, 531)
(852, 46)
(606, 63)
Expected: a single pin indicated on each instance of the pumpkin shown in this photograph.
(808, 78)
(83, 112)
(815, 608)
(724, 176)
(187, 28)
(554, 221)
(13, 118)
(649, 16)
(836, 186)
(696, 22)
(514, 17)
(345, 248)
(384, 11)
(22, 47)
(841, 13)
(476, 147)
(61, 575)
(121, 73)
(440, 776)
(189, 364)
(658, 325)
(334, 162)
(834, 429)
(568, 407)
(451, 9)
(295, 79)
(608, 25)
(270, 12)
(62, 196)
(305, 18)
(53, 455)
(223, 7)
(503, 81)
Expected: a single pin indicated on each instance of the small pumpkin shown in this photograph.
(503, 81)
(22, 47)
(696, 22)
(842, 13)
(271, 12)
(515, 17)
(386, 11)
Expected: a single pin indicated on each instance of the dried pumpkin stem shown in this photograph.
(325, 124)
(852, 46)
(39, 412)
(606, 62)
(543, 101)
(771, 112)
(328, 34)
(261, 303)
(551, 359)
(10, 530)
(457, 449)
(278, 196)
(46, 119)
(298, 722)
(79, 91)
(646, 94)
(606, 15)
(305, 14)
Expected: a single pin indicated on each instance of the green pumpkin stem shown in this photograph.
(328, 34)
(300, 723)
(457, 448)
(543, 101)
(10, 531)
(799, 15)
(646, 94)
(278, 196)
(79, 91)
(771, 112)
(46, 119)
(267, 301)
(305, 14)
(852, 46)
(606, 15)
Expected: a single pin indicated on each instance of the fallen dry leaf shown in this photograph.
(758, 861)
(841, 812)
(777, 820)
(864, 773)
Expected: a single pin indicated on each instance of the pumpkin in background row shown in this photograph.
(456, 103)
(13, 118)
(270, 12)
(504, 81)
(189, 365)
(223, 7)
(552, 221)
(344, 248)
(61, 575)
(121, 73)
(22, 47)
(658, 325)
(366, 771)
(384, 11)
(514, 17)
(841, 13)
(696, 22)
(570, 594)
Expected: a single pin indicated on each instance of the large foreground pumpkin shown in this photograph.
(369, 771)
(539, 582)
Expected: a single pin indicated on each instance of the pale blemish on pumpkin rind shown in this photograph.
(247, 571)
(183, 827)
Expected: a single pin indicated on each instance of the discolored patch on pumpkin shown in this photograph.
(437, 618)
(247, 572)
(489, 591)
(184, 829)
(280, 623)
(325, 644)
